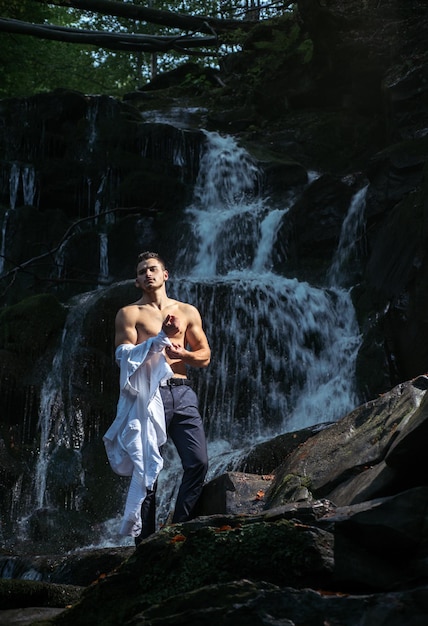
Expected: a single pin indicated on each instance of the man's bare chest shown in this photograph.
(149, 321)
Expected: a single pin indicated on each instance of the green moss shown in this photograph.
(184, 558)
(211, 555)
(16, 594)
(285, 488)
(27, 328)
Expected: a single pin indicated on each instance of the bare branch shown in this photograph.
(51, 253)
(112, 41)
(202, 24)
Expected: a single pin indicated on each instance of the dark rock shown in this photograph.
(248, 603)
(407, 452)
(233, 493)
(265, 457)
(365, 533)
(180, 559)
(186, 75)
(28, 616)
(77, 568)
(29, 593)
(325, 463)
(311, 229)
(394, 173)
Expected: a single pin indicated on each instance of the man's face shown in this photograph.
(150, 274)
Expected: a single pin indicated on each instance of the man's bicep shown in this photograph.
(125, 329)
(195, 335)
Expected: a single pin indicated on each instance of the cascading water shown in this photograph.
(104, 269)
(352, 230)
(283, 351)
(60, 423)
(274, 339)
(28, 185)
(27, 176)
(14, 184)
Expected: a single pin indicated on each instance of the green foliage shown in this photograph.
(306, 50)
(199, 82)
(281, 42)
(24, 10)
(274, 49)
(285, 43)
(30, 65)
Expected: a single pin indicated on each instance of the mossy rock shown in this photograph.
(24, 593)
(186, 557)
(28, 328)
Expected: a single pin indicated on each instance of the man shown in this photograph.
(155, 315)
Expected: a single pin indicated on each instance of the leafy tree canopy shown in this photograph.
(114, 41)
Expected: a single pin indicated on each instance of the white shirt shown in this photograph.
(133, 440)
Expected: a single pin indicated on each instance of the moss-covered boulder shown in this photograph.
(183, 558)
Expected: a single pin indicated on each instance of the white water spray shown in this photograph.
(283, 351)
(61, 423)
(352, 229)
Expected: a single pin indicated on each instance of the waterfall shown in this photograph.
(91, 117)
(3, 241)
(60, 259)
(28, 184)
(27, 176)
(15, 172)
(14, 177)
(283, 351)
(105, 197)
(99, 195)
(351, 232)
(104, 268)
(60, 423)
(51, 408)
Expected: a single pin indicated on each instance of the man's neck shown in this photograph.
(157, 299)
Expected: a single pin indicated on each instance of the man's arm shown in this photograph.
(125, 327)
(199, 354)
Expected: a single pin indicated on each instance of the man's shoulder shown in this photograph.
(189, 311)
(129, 309)
(186, 307)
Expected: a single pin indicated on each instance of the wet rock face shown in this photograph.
(66, 158)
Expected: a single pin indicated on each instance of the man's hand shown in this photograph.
(175, 351)
(171, 325)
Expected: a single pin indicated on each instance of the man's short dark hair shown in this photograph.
(145, 256)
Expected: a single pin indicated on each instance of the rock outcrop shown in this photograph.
(345, 514)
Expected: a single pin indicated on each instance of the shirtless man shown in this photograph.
(181, 322)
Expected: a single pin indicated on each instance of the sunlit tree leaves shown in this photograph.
(29, 64)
